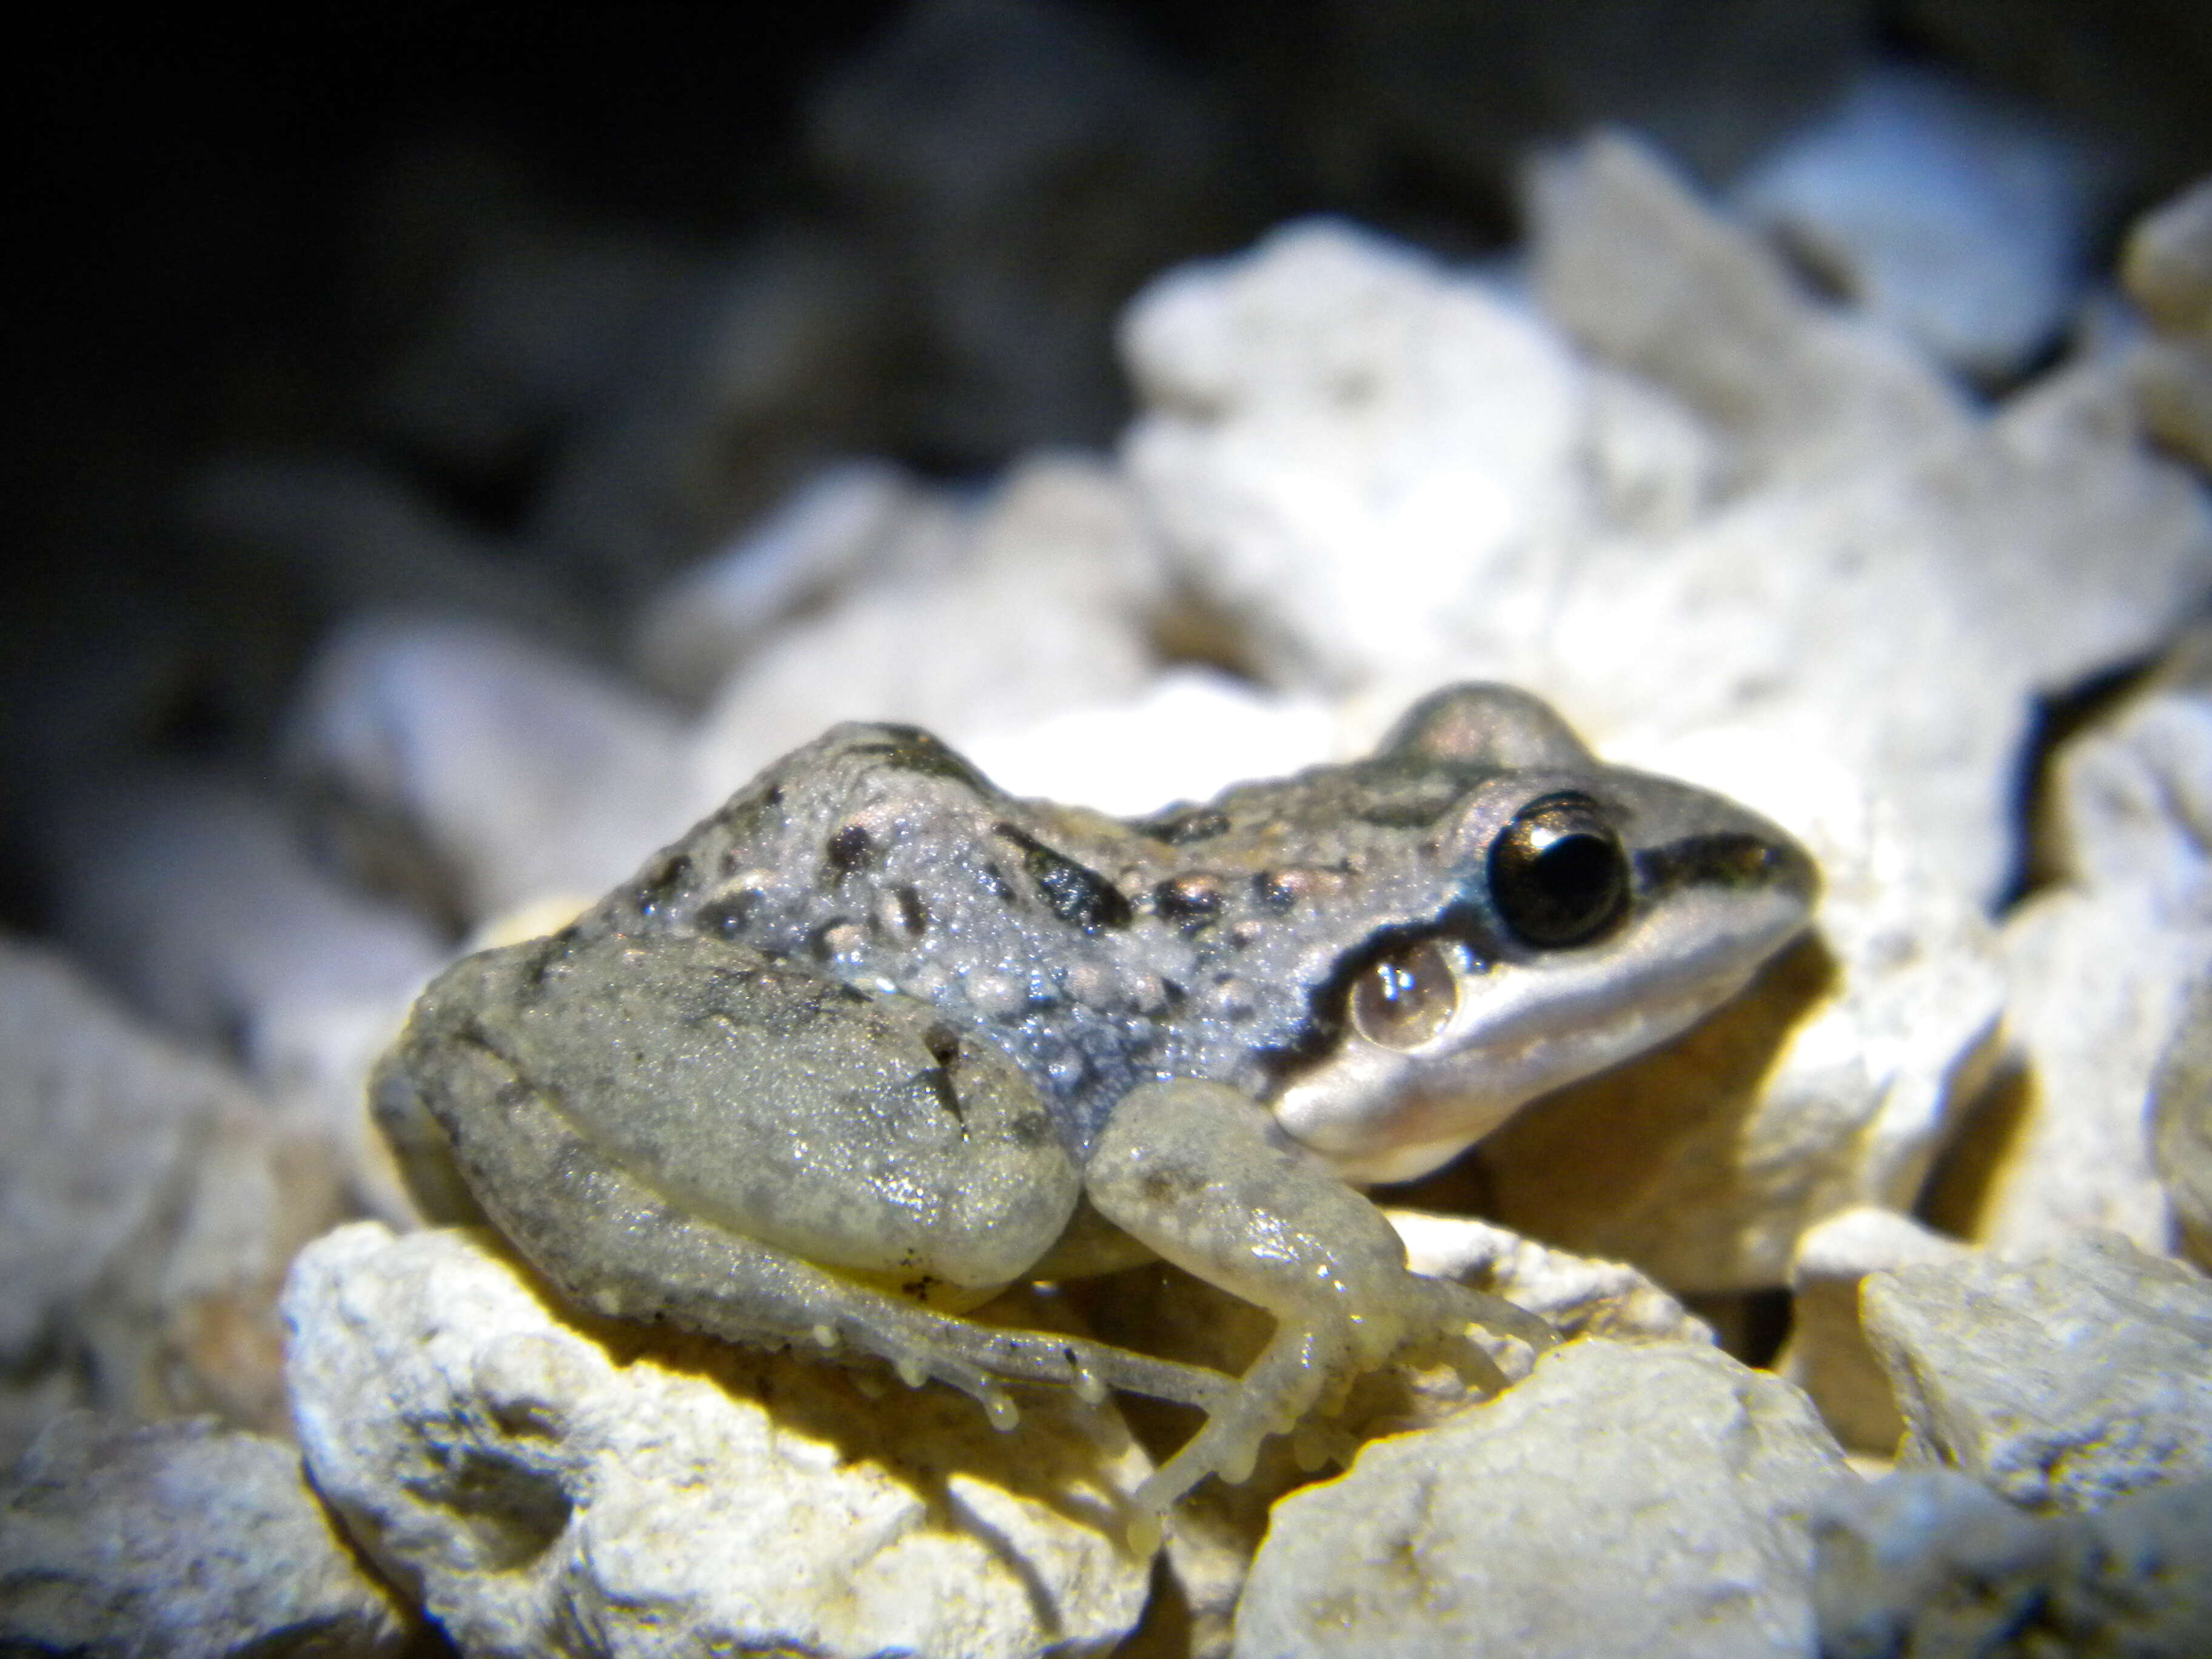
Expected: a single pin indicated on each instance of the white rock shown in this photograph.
(2133, 803)
(1828, 1354)
(2174, 384)
(179, 1539)
(149, 1208)
(1904, 616)
(1629, 262)
(520, 772)
(193, 895)
(1927, 1562)
(1579, 1295)
(1213, 1533)
(1384, 476)
(1960, 221)
(1047, 607)
(1831, 1085)
(313, 1059)
(1653, 465)
(553, 1488)
(1188, 736)
(1647, 1499)
(2181, 1122)
(850, 521)
(2099, 970)
(1358, 455)
(2167, 263)
(2097, 984)
(2062, 1380)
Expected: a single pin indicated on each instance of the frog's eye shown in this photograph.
(1402, 998)
(1558, 873)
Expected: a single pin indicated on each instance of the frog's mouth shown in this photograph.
(1396, 1109)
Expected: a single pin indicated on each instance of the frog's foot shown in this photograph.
(622, 1249)
(1309, 1366)
(1203, 1176)
(1449, 1312)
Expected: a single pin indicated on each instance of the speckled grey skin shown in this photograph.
(876, 1039)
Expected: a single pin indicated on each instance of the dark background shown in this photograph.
(191, 219)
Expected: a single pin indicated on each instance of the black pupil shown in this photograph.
(1576, 869)
(1557, 873)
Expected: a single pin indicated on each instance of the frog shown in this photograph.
(877, 1040)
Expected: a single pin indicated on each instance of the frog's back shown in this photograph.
(1098, 954)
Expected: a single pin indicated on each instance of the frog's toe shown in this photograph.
(978, 1359)
(1278, 1394)
(1444, 1315)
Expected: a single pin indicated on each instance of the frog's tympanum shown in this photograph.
(877, 1040)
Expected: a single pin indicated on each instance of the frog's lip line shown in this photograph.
(1367, 1108)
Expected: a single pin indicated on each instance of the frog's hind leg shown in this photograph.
(1205, 1176)
(622, 1250)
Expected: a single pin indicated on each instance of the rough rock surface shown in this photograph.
(1828, 1354)
(552, 1486)
(1212, 1534)
(504, 769)
(2061, 1380)
(1354, 454)
(1192, 732)
(1629, 262)
(2181, 1122)
(1648, 1499)
(1929, 1563)
(2099, 968)
(1961, 222)
(852, 521)
(181, 1539)
(1382, 472)
(1045, 606)
(195, 897)
(2168, 267)
(148, 1209)
(1581, 1296)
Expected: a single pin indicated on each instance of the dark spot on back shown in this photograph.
(1184, 825)
(910, 748)
(727, 917)
(1188, 898)
(1075, 893)
(851, 847)
(662, 881)
(913, 913)
(943, 1043)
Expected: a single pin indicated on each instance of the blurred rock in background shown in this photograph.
(447, 455)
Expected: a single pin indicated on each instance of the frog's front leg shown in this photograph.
(1204, 1176)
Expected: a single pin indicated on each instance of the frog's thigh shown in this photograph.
(1204, 1175)
(624, 1249)
(862, 1133)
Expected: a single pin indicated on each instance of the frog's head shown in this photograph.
(1587, 914)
